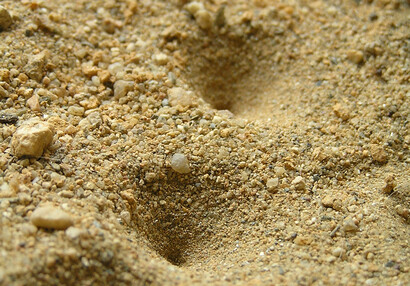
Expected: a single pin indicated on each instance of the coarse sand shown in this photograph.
(149, 142)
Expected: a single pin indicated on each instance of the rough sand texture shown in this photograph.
(204, 143)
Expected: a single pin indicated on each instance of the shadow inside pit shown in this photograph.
(230, 71)
(174, 228)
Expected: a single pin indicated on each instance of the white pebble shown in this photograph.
(115, 68)
(161, 59)
(122, 87)
(180, 164)
(194, 7)
(299, 183)
(76, 110)
(179, 96)
(51, 217)
(272, 184)
(32, 138)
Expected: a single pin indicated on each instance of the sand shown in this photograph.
(204, 143)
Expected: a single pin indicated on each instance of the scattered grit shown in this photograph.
(195, 143)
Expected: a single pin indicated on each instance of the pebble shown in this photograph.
(3, 92)
(5, 19)
(378, 153)
(272, 184)
(179, 96)
(402, 211)
(390, 184)
(338, 252)
(332, 201)
(122, 87)
(76, 110)
(33, 103)
(355, 56)
(115, 68)
(161, 59)
(194, 7)
(31, 138)
(201, 15)
(204, 19)
(303, 240)
(180, 164)
(51, 217)
(299, 183)
(349, 226)
(341, 111)
(35, 67)
(279, 171)
(74, 233)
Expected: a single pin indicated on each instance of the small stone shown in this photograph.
(303, 240)
(51, 217)
(6, 191)
(5, 19)
(355, 56)
(279, 171)
(66, 194)
(33, 103)
(341, 112)
(4, 75)
(349, 226)
(76, 110)
(338, 252)
(272, 184)
(122, 87)
(220, 19)
(115, 68)
(402, 211)
(378, 153)
(32, 138)
(299, 183)
(180, 164)
(3, 92)
(74, 233)
(179, 96)
(327, 201)
(126, 217)
(89, 70)
(204, 19)
(35, 67)
(194, 7)
(161, 59)
(390, 184)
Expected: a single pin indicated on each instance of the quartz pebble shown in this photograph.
(32, 138)
(161, 59)
(179, 96)
(180, 164)
(349, 226)
(5, 19)
(299, 183)
(51, 217)
(272, 184)
(194, 7)
(76, 110)
(121, 87)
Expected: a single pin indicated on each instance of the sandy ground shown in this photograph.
(148, 142)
